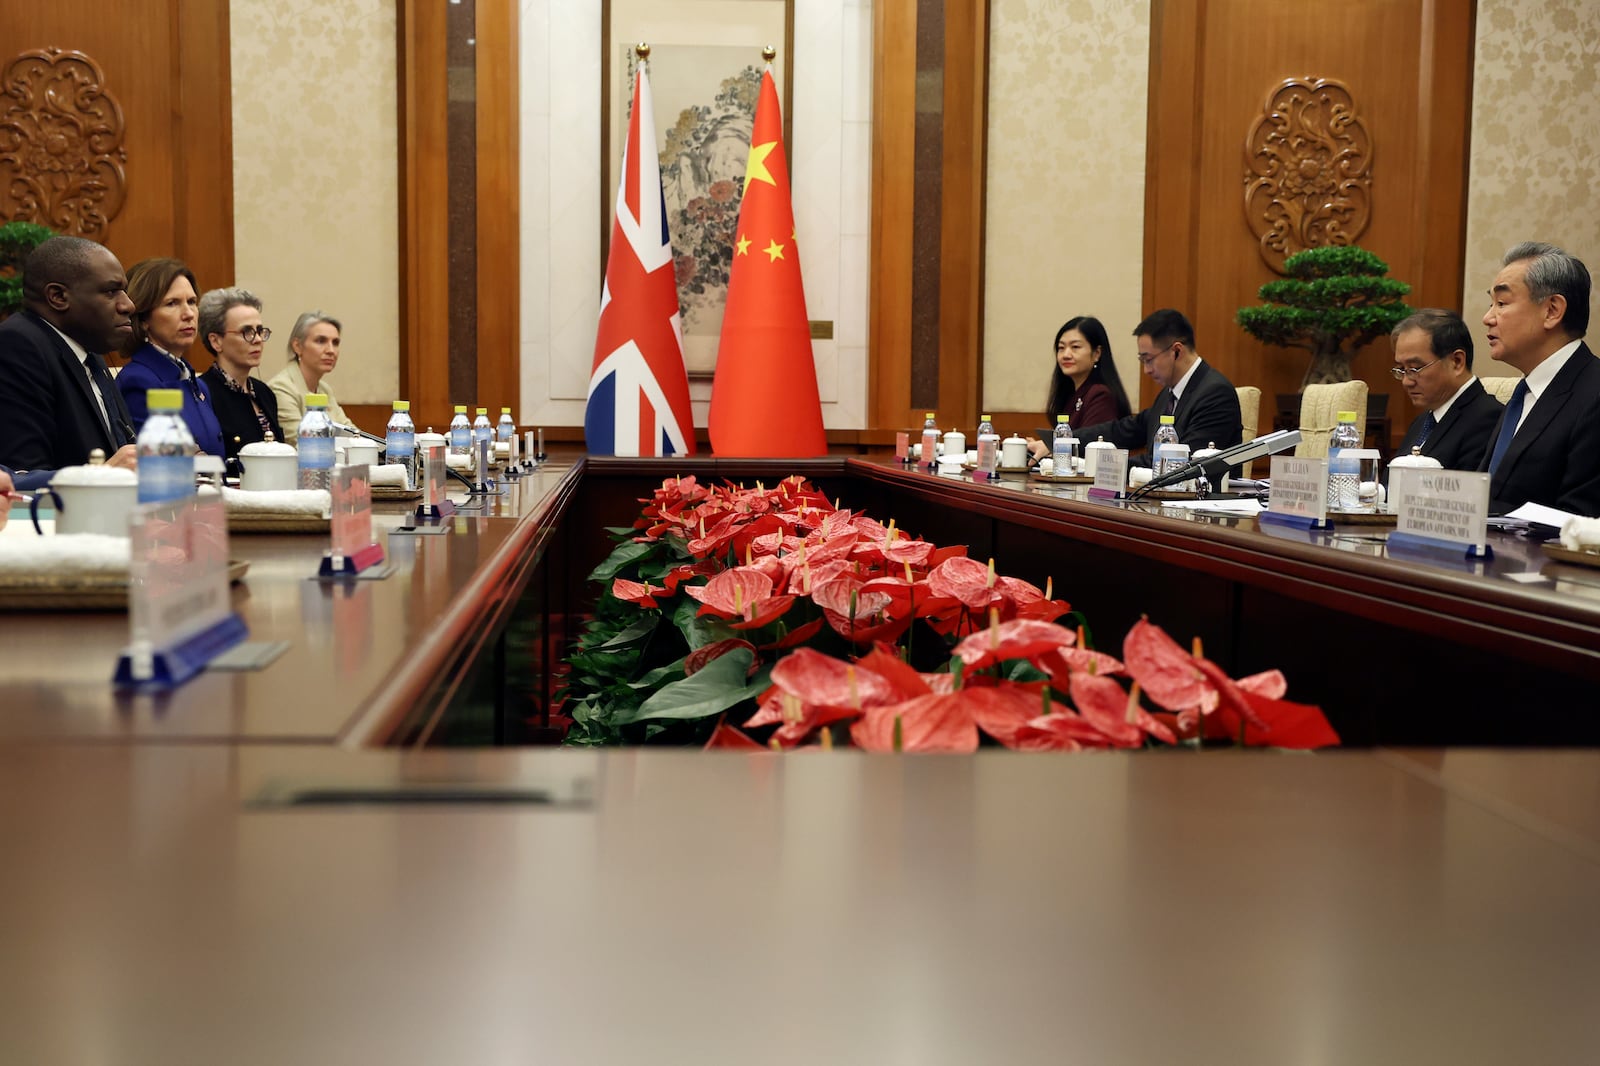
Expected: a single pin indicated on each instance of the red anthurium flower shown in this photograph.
(1104, 705)
(744, 593)
(845, 595)
(679, 574)
(900, 676)
(811, 689)
(965, 580)
(1001, 710)
(775, 542)
(1063, 661)
(1020, 638)
(635, 592)
(1164, 670)
(806, 576)
(765, 525)
(1289, 725)
(932, 723)
(696, 660)
(726, 738)
(796, 636)
(1061, 730)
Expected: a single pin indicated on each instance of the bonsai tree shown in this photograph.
(1334, 300)
(17, 239)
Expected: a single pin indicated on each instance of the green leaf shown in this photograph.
(634, 635)
(621, 531)
(720, 685)
(619, 559)
(699, 631)
(657, 676)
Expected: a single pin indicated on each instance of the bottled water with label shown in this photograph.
(1165, 458)
(1344, 468)
(930, 440)
(400, 436)
(507, 427)
(481, 429)
(460, 432)
(988, 447)
(316, 444)
(1064, 448)
(166, 449)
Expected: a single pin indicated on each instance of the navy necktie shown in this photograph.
(1508, 427)
(1429, 423)
(1172, 405)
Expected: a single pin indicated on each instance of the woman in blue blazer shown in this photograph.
(166, 314)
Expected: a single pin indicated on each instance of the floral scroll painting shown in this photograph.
(705, 70)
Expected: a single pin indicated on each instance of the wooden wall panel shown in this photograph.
(894, 127)
(1408, 65)
(499, 233)
(166, 62)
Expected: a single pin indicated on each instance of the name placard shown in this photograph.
(353, 548)
(1446, 507)
(902, 446)
(1299, 489)
(1111, 475)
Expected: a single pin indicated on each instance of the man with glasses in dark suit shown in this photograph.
(57, 399)
(1433, 357)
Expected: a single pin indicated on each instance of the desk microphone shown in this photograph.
(355, 431)
(1238, 455)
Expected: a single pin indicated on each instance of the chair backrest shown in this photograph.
(1249, 417)
(1319, 413)
(1501, 388)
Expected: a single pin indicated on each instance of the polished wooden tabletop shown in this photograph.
(1355, 907)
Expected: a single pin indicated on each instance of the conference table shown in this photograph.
(352, 856)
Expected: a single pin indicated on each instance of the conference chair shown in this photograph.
(1319, 413)
(1249, 418)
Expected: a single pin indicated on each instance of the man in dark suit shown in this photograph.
(1203, 402)
(1546, 448)
(1433, 357)
(57, 399)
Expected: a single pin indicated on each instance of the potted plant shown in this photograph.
(1334, 300)
(17, 239)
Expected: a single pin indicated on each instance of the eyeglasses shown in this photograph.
(1146, 358)
(1402, 372)
(251, 334)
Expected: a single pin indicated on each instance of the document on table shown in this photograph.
(1248, 505)
(1539, 514)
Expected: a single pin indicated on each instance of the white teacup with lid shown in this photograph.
(361, 451)
(1014, 453)
(90, 499)
(1415, 461)
(269, 466)
(1092, 453)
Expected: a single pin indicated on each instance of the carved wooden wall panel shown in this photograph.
(61, 153)
(1308, 169)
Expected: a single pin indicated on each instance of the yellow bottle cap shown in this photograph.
(402, 405)
(316, 399)
(164, 399)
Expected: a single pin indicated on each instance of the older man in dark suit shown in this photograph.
(57, 400)
(1547, 446)
(1433, 357)
(1203, 403)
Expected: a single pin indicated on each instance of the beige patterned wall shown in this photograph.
(315, 180)
(1535, 140)
(1065, 223)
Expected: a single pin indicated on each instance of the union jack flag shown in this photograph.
(638, 390)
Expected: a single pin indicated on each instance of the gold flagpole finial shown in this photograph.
(768, 52)
(641, 50)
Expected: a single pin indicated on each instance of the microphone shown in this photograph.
(355, 431)
(1239, 454)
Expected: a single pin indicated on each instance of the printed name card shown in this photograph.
(902, 446)
(528, 448)
(1443, 508)
(180, 615)
(1111, 475)
(353, 549)
(1299, 492)
(434, 505)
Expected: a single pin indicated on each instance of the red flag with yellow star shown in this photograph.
(764, 399)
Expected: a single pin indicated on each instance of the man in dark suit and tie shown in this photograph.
(57, 400)
(1433, 357)
(1546, 448)
(1203, 402)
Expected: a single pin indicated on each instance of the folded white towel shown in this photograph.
(458, 462)
(1581, 534)
(390, 475)
(314, 502)
(67, 555)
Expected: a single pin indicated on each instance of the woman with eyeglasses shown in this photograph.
(313, 353)
(231, 330)
(164, 322)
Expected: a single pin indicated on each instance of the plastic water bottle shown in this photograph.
(481, 429)
(460, 432)
(400, 436)
(166, 449)
(1064, 448)
(930, 440)
(1344, 468)
(316, 444)
(507, 427)
(988, 447)
(1166, 435)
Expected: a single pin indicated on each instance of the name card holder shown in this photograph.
(353, 550)
(513, 462)
(902, 448)
(1299, 496)
(180, 615)
(482, 458)
(434, 505)
(1441, 512)
(1111, 476)
(539, 454)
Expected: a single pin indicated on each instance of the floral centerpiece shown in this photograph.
(770, 617)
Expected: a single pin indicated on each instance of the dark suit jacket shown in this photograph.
(48, 416)
(149, 368)
(1208, 413)
(237, 415)
(1461, 440)
(1555, 457)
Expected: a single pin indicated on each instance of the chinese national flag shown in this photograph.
(764, 399)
